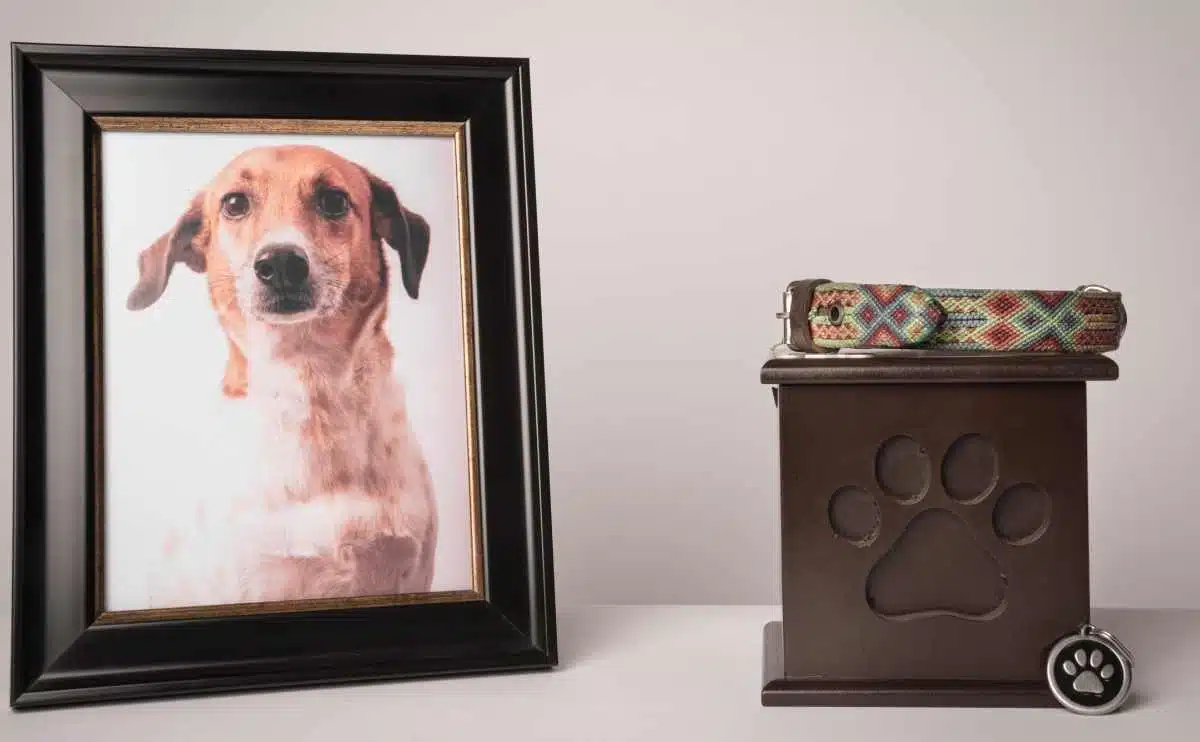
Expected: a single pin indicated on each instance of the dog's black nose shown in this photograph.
(282, 267)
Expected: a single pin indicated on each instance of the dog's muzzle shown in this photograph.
(283, 271)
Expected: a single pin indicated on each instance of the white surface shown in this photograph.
(644, 673)
(695, 155)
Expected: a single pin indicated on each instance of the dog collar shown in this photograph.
(822, 316)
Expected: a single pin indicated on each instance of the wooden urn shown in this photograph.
(934, 526)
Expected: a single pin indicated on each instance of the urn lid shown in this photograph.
(917, 367)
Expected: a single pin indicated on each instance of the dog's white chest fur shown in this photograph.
(328, 474)
(281, 406)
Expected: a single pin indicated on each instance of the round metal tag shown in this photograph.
(1090, 672)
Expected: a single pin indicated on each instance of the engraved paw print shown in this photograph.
(1090, 671)
(938, 559)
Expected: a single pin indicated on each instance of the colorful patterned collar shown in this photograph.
(821, 316)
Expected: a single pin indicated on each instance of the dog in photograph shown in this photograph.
(291, 240)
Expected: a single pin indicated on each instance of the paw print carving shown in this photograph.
(936, 558)
(1090, 671)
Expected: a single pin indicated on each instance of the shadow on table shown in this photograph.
(586, 634)
(1163, 645)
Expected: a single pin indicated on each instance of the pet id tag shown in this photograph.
(1090, 672)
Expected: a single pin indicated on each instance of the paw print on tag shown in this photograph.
(1089, 676)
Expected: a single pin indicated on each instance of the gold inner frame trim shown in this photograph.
(290, 606)
(457, 131)
(279, 126)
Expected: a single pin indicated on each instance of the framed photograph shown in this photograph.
(279, 405)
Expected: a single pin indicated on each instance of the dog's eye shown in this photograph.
(333, 204)
(235, 205)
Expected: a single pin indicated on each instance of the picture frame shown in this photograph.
(69, 645)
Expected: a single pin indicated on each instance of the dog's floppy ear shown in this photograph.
(155, 262)
(406, 231)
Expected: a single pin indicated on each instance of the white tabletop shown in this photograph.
(643, 673)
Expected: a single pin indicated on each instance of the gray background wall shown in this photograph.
(692, 157)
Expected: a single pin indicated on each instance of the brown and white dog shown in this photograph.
(291, 240)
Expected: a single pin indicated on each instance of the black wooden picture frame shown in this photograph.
(61, 654)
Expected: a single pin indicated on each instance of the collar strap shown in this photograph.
(822, 316)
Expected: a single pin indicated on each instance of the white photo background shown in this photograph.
(172, 440)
